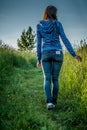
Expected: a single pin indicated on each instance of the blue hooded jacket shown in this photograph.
(48, 33)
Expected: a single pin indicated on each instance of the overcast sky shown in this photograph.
(17, 15)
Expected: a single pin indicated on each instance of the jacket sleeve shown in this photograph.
(39, 42)
(66, 41)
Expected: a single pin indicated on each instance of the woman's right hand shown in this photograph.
(78, 58)
(39, 65)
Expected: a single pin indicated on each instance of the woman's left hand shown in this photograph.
(78, 58)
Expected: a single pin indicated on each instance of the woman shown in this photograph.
(49, 52)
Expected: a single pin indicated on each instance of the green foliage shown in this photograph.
(5, 46)
(22, 99)
(83, 44)
(27, 40)
(9, 59)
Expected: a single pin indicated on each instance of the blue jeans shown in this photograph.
(51, 65)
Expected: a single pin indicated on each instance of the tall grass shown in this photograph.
(73, 90)
(22, 99)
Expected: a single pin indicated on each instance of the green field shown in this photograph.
(22, 99)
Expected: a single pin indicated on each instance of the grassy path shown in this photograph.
(24, 105)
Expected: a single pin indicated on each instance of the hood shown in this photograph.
(47, 26)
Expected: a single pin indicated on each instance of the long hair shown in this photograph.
(50, 13)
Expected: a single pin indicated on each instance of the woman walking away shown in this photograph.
(49, 52)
